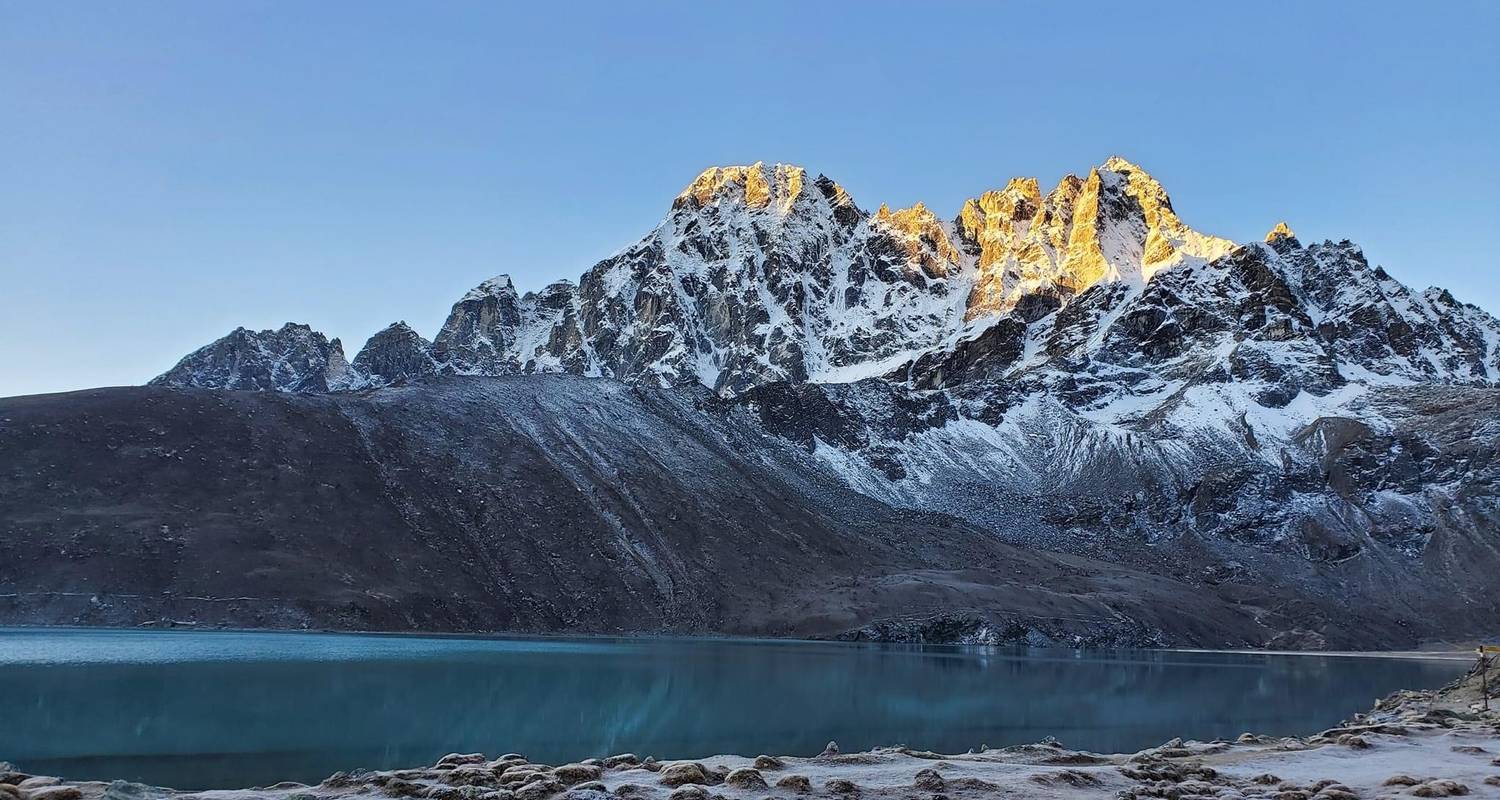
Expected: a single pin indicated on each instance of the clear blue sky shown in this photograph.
(171, 170)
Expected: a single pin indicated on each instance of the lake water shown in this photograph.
(229, 709)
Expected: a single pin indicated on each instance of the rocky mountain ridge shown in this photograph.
(760, 274)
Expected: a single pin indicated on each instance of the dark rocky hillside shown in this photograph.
(512, 504)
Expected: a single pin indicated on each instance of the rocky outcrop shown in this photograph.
(1382, 330)
(479, 337)
(1115, 225)
(294, 358)
(394, 355)
(761, 275)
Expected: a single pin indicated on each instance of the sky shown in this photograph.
(172, 170)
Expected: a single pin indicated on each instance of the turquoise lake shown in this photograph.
(196, 709)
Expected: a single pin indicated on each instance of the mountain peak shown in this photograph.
(754, 186)
(394, 354)
(918, 210)
(1018, 200)
(400, 326)
(500, 284)
(1022, 188)
(1281, 231)
(292, 358)
(1121, 164)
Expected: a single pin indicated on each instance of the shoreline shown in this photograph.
(1430, 743)
(1418, 655)
(1447, 653)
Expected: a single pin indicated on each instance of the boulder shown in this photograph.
(794, 783)
(929, 780)
(573, 774)
(456, 759)
(745, 778)
(469, 774)
(56, 793)
(768, 762)
(683, 772)
(1435, 788)
(538, 789)
(400, 787)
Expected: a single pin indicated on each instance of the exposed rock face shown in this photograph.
(494, 331)
(294, 358)
(1115, 225)
(479, 337)
(394, 355)
(761, 275)
(1373, 322)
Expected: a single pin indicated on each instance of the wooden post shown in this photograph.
(1484, 678)
(1484, 672)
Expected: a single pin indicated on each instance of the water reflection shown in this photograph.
(201, 709)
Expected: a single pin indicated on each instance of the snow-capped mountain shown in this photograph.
(1283, 428)
(761, 274)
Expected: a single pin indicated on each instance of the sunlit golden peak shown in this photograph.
(923, 236)
(1023, 187)
(754, 184)
(1121, 164)
(910, 219)
(1281, 231)
(1016, 201)
(1069, 184)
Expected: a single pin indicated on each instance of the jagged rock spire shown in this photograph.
(394, 354)
(480, 329)
(1117, 224)
(293, 358)
(755, 187)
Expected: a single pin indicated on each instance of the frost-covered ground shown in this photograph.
(1412, 744)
